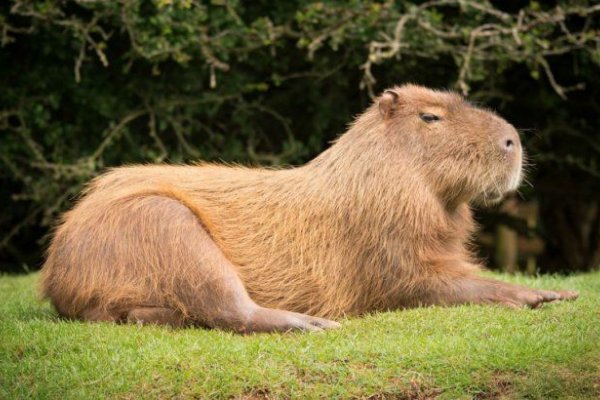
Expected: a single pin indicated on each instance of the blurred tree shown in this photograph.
(91, 84)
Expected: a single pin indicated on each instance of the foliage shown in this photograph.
(88, 84)
(479, 352)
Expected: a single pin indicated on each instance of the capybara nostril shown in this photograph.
(509, 143)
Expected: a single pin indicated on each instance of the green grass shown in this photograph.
(446, 353)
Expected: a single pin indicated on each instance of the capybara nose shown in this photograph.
(510, 142)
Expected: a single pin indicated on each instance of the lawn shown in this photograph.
(446, 353)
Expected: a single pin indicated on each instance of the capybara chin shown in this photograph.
(379, 221)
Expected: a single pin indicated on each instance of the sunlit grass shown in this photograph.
(462, 352)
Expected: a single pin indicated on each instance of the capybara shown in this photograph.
(379, 221)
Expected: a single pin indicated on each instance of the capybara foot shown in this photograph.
(99, 315)
(553, 295)
(156, 315)
(273, 320)
(517, 296)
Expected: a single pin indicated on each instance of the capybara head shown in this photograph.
(466, 153)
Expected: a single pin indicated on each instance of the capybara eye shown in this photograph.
(427, 117)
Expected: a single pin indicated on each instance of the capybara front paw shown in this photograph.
(562, 294)
(525, 297)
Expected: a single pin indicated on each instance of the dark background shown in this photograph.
(85, 85)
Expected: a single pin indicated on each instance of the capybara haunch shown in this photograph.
(379, 221)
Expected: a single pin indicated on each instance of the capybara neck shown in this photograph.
(367, 172)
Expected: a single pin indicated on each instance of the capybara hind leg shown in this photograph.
(156, 316)
(200, 278)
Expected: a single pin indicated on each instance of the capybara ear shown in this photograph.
(388, 102)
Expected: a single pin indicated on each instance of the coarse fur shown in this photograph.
(381, 220)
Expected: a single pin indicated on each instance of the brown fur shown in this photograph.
(378, 221)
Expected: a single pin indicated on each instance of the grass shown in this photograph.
(446, 353)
